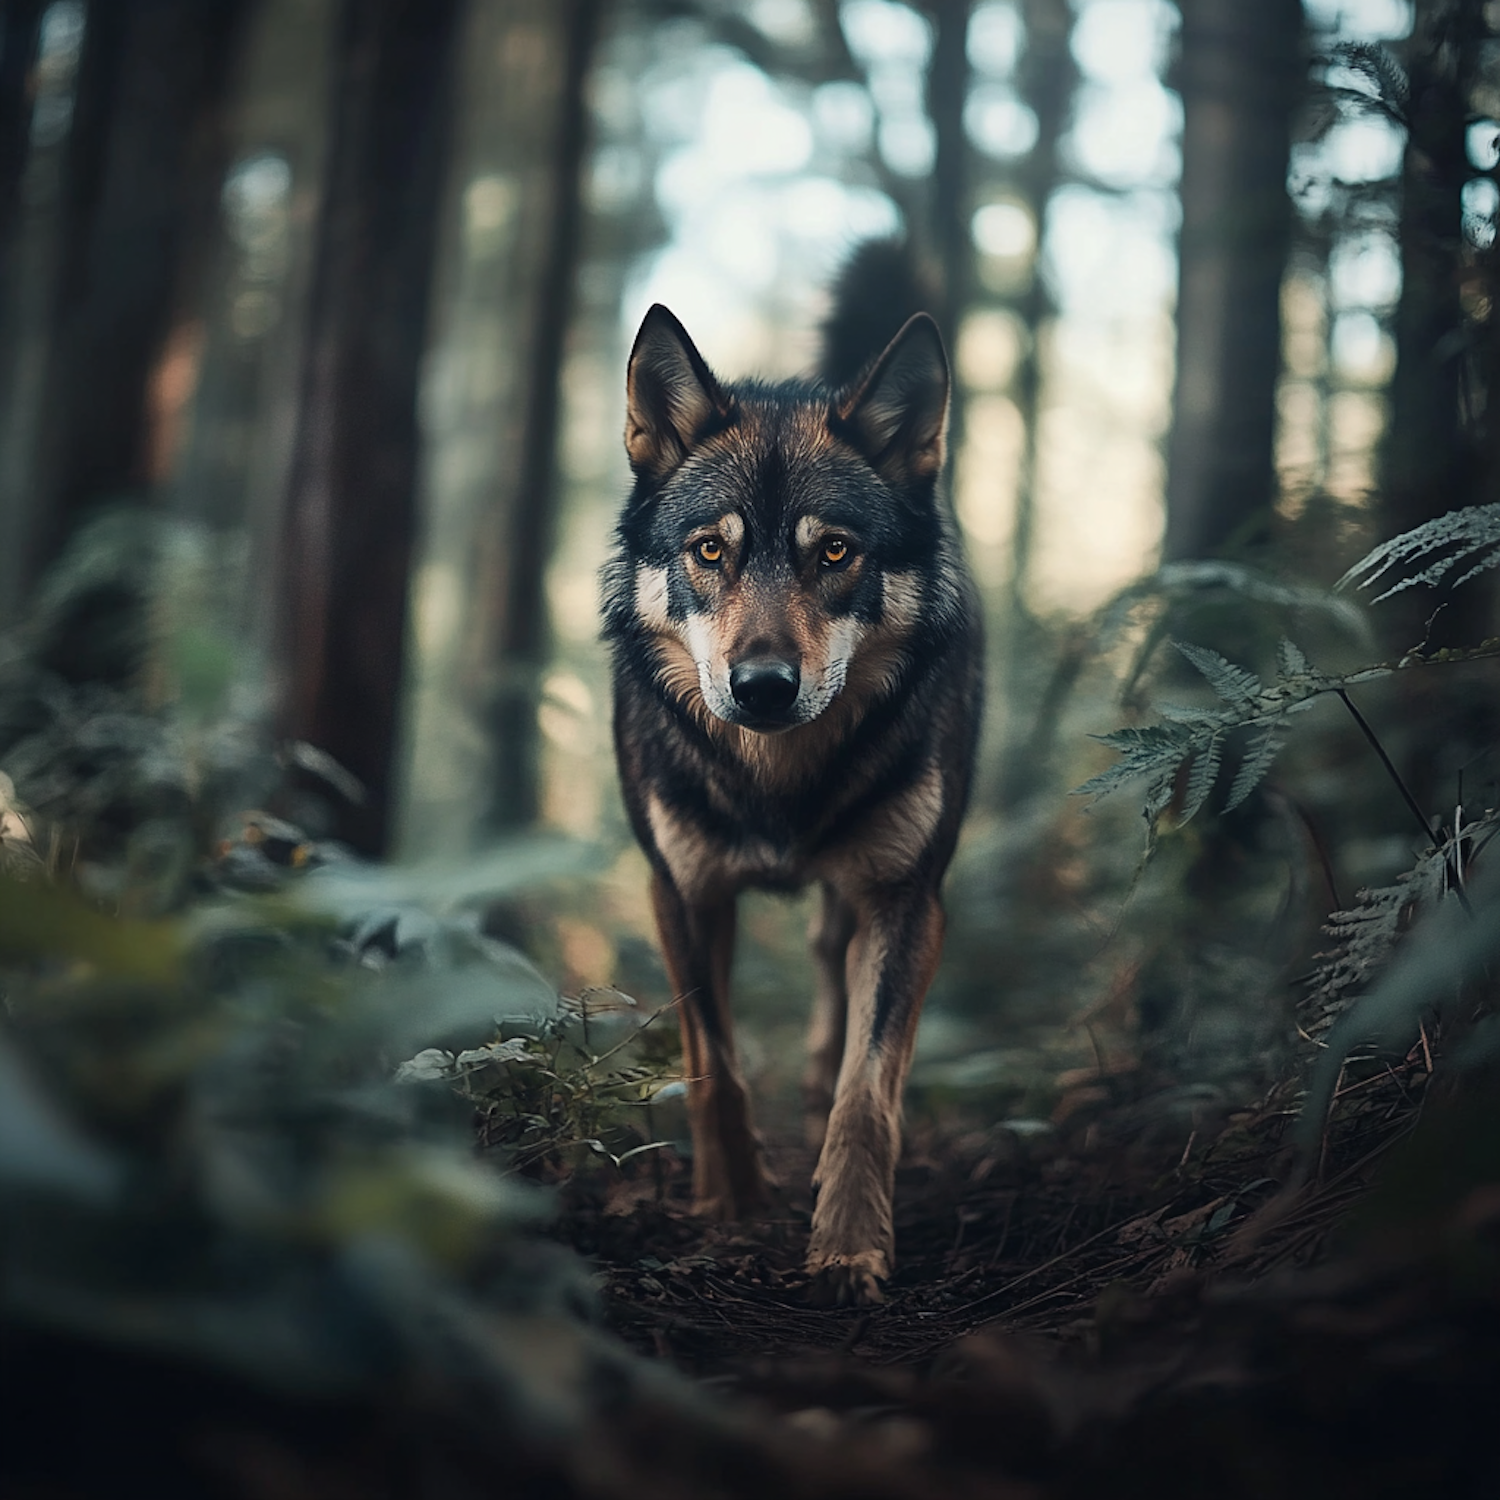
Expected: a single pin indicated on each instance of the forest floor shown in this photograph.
(1054, 1234)
(1103, 1309)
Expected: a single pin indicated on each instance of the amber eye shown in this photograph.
(835, 551)
(710, 551)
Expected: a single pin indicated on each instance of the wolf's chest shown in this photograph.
(714, 857)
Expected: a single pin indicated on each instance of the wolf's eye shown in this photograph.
(835, 552)
(710, 552)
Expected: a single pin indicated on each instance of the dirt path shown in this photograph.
(994, 1229)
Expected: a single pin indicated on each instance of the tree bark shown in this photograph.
(1239, 75)
(521, 631)
(950, 210)
(348, 521)
(140, 184)
(1432, 459)
(20, 26)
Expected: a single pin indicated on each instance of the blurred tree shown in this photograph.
(348, 523)
(510, 242)
(1433, 459)
(138, 205)
(1049, 76)
(1442, 436)
(951, 192)
(20, 25)
(1239, 74)
(521, 639)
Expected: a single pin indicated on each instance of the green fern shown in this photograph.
(1368, 933)
(1462, 536)
(1192, 740)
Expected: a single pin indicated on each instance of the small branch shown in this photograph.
(1411, 802)
(1385, 760)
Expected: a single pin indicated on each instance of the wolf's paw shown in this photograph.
(848, 1280)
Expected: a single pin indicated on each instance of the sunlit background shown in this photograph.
(728, 169)
(763, 186)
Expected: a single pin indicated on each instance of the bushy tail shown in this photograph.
(879, 288)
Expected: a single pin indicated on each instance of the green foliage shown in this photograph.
(1402, 947)
(207, 1140)
(581, 1082)
(1368, 933)
(1449, 951)
(1470, 535)
(1180, 758)
(1190, 743)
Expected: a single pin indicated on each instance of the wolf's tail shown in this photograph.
(879, 288)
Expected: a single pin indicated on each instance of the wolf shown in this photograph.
(797, 666)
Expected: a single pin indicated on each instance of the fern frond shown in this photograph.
(1256, 765)
(1235, 685)
(1291, 661)
(1204, 773)
(1450, 541)
(1193, 739)
(1154, 751)
(1370, 930)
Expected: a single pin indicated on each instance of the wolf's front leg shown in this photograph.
(830, 934)
(697, 940)
(892, 958)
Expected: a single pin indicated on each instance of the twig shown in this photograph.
(1386, 761)
(1046, 1265)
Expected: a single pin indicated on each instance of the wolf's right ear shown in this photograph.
(672, 400)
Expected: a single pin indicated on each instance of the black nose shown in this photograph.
(764, 686)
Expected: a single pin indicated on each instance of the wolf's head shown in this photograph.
(780, 540)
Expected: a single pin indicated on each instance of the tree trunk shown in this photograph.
(139, 197)
(1239, 75)
(521, 637)
(951, 208)
(350, 504)
(1431, 460)
(20, 26)
(1049, 77)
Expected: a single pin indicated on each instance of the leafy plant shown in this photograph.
(1180, 758)
(1450, 541)
(581, 1083)
(1376, 982)
(1187, 748)
(1370, 930)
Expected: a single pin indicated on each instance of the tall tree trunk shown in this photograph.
(20, 26)
(139, 197)
(350, 503)
(1431, 460)
(1442, 394)
(1049, 76)
(521, 632)
(1240, 73)
(949, 214)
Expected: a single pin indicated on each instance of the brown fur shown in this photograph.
(858, 786)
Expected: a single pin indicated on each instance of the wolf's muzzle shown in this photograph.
(764, 686)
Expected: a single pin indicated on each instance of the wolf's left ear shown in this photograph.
(897, 416)
(672, 400)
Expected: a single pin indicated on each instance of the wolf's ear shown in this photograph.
(897, 416)
(671, 397)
